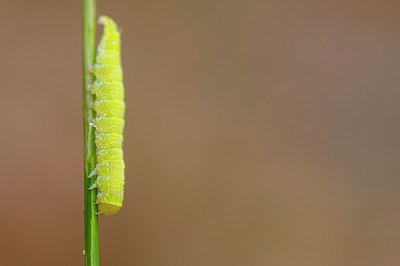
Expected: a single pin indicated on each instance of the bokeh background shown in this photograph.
(257, 133)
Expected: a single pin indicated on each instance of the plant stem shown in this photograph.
(89, 50)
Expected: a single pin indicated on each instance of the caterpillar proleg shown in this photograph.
(109, 123)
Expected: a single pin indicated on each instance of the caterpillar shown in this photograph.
(109, 107)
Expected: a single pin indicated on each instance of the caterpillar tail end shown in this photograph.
(107, 21)
(108, 209)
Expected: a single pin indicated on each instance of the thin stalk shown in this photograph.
(89, 50)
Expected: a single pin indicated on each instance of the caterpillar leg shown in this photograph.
(89, 88)
(93, 186)
(92, 88)
(92, 123)
(90, 70)
(94, 172)
(90, 105)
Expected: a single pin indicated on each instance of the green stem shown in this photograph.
(89, 50)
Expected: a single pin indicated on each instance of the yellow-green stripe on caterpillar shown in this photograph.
(109, 107)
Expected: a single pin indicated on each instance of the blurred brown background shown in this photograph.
(258, 133)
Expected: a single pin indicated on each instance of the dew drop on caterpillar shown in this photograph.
(109, 122)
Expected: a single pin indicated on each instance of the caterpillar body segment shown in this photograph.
(109, 122)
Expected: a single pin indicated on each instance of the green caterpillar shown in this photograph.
(109, 122)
